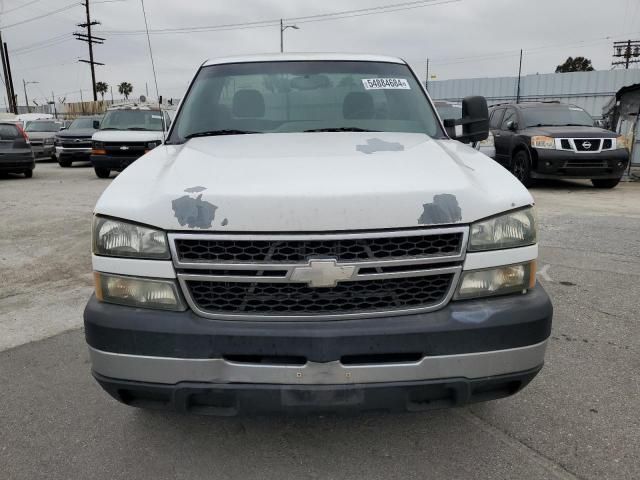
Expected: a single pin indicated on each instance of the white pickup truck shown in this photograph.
(309, 238)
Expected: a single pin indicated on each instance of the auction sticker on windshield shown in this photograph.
(385, 84)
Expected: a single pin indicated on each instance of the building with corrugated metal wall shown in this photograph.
(589, 90)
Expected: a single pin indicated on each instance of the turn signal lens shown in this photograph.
(621, 142)
(137, 292)
(98, 152)
(543, 142)
(497, 281)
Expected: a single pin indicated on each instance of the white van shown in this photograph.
(309, 238)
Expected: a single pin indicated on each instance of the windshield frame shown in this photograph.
(174, 139)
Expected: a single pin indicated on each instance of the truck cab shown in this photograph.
(308, 239)
(126, 133)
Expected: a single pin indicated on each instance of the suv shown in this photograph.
(126, 133)
(74, 143)
(556, 140)
(309, 238)
(42, 135)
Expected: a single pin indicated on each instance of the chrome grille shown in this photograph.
(282, 277)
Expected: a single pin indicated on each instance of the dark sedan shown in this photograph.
(16, 155)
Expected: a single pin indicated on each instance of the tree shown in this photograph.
(578, 64)
(125, 88)
(101, 88)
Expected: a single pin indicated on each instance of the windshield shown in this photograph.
(79, 123)
(132, 120)
(303, 96)
(556, 116)
(43, 127)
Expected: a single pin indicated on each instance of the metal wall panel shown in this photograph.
(589, 90)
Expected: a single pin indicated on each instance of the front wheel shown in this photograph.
(521, 168)
(102, 172)
(28, 173)
(605, 182)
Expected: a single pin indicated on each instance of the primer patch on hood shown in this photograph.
(377, 145)
(194, 212)
(444, 209)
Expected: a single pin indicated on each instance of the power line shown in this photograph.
(44, 15)
(304, 19)
(19, 7)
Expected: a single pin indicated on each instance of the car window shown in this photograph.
(8, 132)
(298, 96)
(495, 120)
(509, 115)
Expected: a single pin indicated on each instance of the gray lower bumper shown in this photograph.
(174, 370)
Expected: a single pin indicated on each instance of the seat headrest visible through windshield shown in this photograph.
(248, 103)
(358, 105)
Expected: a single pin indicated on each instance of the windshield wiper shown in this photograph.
(340, 129)
(140, 129)
(109, 128)
(214, 133)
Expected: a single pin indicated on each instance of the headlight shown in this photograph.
(137, 292)
(621, 142)
(543, 142)
(116, 238)
(497, 281)
(97, 148)
(48, 141)
(513, 229)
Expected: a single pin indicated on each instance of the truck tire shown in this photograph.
(102, 172)
(65, 163)
(28, 173)
(605, 182)
(521, 168)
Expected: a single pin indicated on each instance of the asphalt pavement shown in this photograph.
(579, 419)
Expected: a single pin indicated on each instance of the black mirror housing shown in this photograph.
(96, 124)
(474, 121)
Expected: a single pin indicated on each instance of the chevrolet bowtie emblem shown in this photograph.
(124, 147)
(323, 273)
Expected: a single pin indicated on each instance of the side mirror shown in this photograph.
(512, 125)
(474, 121)
(63, 128)
(96, 124)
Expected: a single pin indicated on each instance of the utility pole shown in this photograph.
(26, 99)
(91, 40)
(519, 76)
(6, 78)
(426, 82)
(627, 50)
(111, 87)
(14, 100)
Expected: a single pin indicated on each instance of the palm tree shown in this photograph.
(101, 88)
(125, 88)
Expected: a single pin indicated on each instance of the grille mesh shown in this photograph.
(295, 251)
(299, 299)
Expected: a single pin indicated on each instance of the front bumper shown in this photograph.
(43, 150)
(112, 162)
(468, 344)
(79, 154)
(565, 164)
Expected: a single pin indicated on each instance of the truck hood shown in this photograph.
(127, 136)
(297, 182)
(76, 133)
(571, 132)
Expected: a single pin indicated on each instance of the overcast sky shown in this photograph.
(465, 38)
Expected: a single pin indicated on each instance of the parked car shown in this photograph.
(15, 152)
(126, 133)
(453, 110)
(309, 238)
(74, 143)
(555, 140)
(42, 135)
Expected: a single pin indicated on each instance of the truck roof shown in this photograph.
(288, 57)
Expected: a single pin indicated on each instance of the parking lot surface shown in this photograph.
(579, 419)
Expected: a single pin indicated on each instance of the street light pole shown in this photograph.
(26, 99)
(283, 27)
